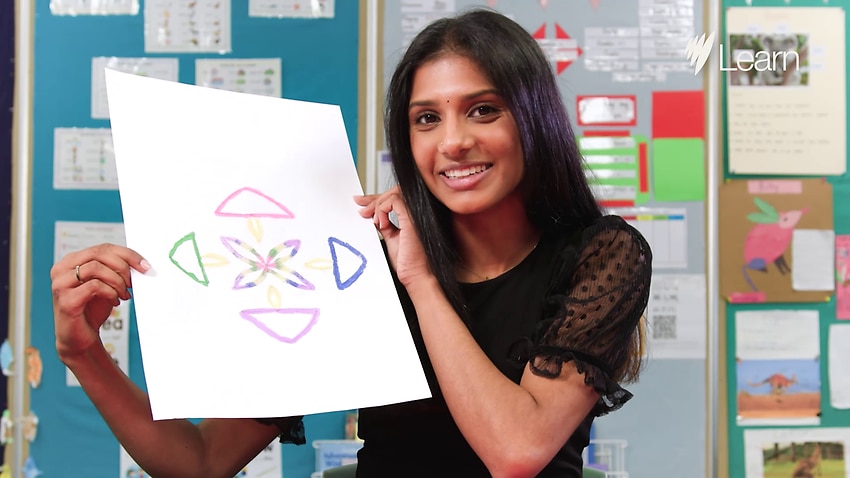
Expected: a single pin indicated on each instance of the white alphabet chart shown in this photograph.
(83, 159)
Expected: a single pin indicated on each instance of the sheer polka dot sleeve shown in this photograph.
(593, 311)
(291, 428)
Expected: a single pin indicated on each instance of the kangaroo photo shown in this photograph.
(779, 389)
(803, 460)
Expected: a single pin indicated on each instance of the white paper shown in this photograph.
(220, 191)
(813, 259)
(666, 231)
(839, 366)
(676, 317)
(760, 443)
(83, 159)
(94, 7)
(291, 8)
(190, 26)
(778, 357)
(606, 110)
(786, 111)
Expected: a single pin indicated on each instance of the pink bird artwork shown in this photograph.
(768, 239)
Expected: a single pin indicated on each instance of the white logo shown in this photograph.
(698, 50)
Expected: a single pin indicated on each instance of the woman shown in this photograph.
(523, 299)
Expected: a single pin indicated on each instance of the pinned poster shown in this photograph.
(266, 281)
(838, 366)
(777, 355)
(771, 238)
(842, 277)
(617, 168)
(786, 102)
(801, 452)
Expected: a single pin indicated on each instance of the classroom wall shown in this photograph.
(73, 440)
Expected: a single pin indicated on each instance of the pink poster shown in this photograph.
(842, 276)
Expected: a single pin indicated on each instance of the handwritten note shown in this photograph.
(786, 115)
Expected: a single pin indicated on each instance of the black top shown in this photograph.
(579, 295)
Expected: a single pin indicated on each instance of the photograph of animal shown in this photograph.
(778, 383)
(806, 458)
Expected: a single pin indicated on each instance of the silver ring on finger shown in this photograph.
(77, 273)
(393, 217)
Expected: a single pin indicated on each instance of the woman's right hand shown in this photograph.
(86, 285)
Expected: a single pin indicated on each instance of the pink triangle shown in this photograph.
(278, 209)
(253, 316)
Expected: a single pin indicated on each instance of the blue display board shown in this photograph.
(319, 59)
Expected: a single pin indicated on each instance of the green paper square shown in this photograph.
(678, 169)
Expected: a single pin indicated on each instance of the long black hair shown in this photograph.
(554, 186)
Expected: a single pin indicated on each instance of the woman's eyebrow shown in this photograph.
(470, 96)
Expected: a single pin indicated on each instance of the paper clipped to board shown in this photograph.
(269, 295)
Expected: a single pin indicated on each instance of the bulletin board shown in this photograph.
(645, 106)
(318, 61)
(749, 441)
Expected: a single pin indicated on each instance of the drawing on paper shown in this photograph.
(778, 389)
(284, 324)
(274, 263)
(767, 242)
(305, 319)
(249, 202)
(777, 382)
(807, 459)
(186, 256)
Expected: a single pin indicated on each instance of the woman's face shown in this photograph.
(464, 140)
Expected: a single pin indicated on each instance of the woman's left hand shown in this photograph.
(405, 250)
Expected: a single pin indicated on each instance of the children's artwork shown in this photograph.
(778, 367)
(772, 240)
(842, 277)
(269, 295)
(796, 452)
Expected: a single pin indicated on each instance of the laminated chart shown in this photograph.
(617, 168)
(666, 230)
